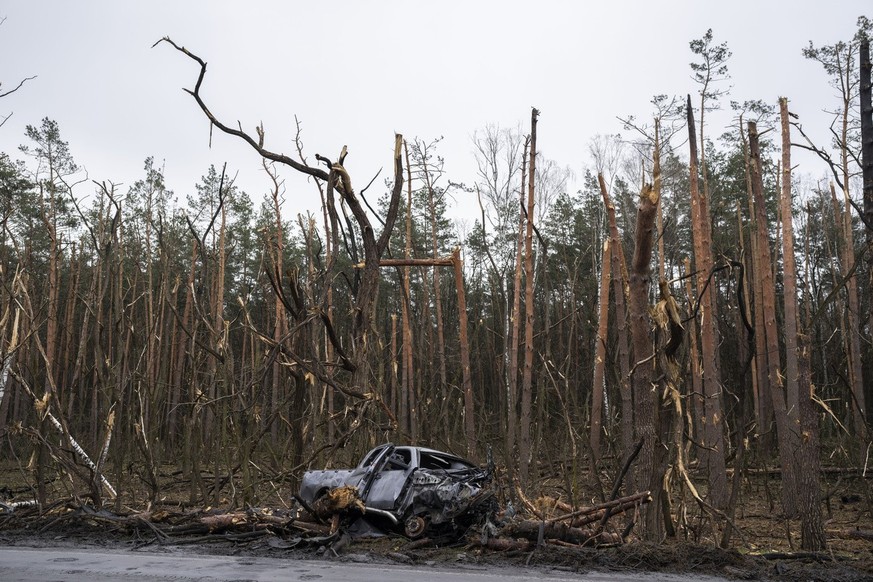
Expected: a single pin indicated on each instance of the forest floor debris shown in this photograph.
(546, 532)
(543, 536)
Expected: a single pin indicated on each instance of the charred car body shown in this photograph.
(413, 489)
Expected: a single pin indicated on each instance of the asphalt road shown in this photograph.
(72, 565)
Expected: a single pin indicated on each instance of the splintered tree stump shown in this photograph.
(336, 501)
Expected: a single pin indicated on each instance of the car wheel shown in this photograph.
(414, 526)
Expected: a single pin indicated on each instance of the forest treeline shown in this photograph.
(699, 300)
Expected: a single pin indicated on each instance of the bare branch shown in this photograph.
(19, 86)
(256, 144)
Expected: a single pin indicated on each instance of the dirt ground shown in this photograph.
(766, 548)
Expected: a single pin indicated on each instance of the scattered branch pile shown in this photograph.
(546, 521)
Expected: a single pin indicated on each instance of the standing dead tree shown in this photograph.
(352, 356)
(784, 435)
(797, 365)
(866, 106)
(618, 268)
(713, 425)
(598, 387)
(645, 398)
(524, 444)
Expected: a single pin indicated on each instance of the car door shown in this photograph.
(390, 480)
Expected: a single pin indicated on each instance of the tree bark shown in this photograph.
(866, 99)
(409, 416)
(469, 419)
(856, 377)
(789, 277)
(866, 105)
(514, 328)
(279, 316)
(696, 412)
(620, 294)
(597, 387)
(646, 399)
(438, 305)
(656, 186)
(812, 533)
(846, 246)
(524, 450)
(713, 436)
(804, 420)
(760, 387)
(777, 389)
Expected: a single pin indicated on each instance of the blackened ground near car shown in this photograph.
(413, 489)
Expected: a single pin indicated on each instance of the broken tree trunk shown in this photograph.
(760, 386)
(408, 420)
(620, 293)
(279, 317)
(789, 296)
(570, 527)
(797, 359)
(598, 388)
(713, 425)
(524, 451)
(777, 390)
(594, 513)
(535, 530)
(656, 185)
(645, 398)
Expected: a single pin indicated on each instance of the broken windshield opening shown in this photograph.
(440, 462)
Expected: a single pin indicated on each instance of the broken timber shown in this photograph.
(453, 260)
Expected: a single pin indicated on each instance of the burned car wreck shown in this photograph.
(410, 490)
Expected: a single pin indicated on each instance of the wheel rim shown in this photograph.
(414, 526)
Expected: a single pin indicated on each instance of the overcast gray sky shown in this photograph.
(354, 72)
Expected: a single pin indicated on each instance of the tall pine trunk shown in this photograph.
(463, 340)
(524, 445)
(620, 292)
(713, 429)
(597, 387)
(514, 328)
(789, 297)
(866, 105)
(770, 331)
(646, 400)
(804, 420)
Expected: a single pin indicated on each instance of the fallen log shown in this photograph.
(616, 505)
(598, 515)
(852, 534)
(530, 530)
